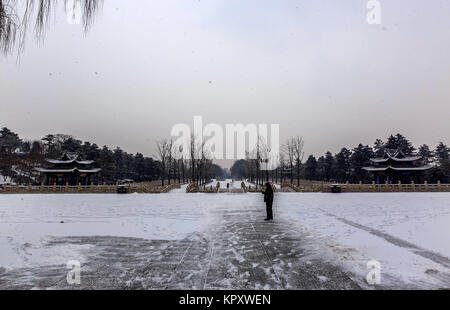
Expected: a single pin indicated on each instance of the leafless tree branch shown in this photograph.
(14, 25)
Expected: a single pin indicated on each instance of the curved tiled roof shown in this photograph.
(81, 162)
(422, 168)
(68, 170)
(69, 158)
(395, 157)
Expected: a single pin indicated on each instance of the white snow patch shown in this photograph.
(418, 218)
(27, 222)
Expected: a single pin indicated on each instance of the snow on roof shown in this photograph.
(81, 162)
(91, 170)
(396, 156)
(84, 162)
(5, 180)
(382, 160)
(422, 168)
(43, 170)
(68, 158)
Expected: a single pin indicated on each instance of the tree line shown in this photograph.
(19, 157)
(192, 165)
(346, 165)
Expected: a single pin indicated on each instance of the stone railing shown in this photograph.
(398, 187)
(363, 188)
(192, 188)
(170, 187)
(258, 188)
(85, 189)
(288, 188)
(195, 188)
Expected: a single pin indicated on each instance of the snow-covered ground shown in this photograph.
(27, 222)
(408, 233)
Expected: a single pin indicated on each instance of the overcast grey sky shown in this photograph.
(315, 67)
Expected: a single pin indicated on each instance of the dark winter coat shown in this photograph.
(268, 194)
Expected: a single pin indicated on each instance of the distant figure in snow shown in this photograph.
(268, 199)
(228, 185)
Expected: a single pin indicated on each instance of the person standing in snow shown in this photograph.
(268, 199)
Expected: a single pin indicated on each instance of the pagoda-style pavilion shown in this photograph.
(395, 166)
(69, 169)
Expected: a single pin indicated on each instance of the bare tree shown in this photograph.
(264, 156)
(193, 156)
(16, 17)
(206, 163)
(164, 149)
(289, 152)
(254, 163)
(170, 160)
(282, 163)
(8, 25)
(180, 164)
(298, 143)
